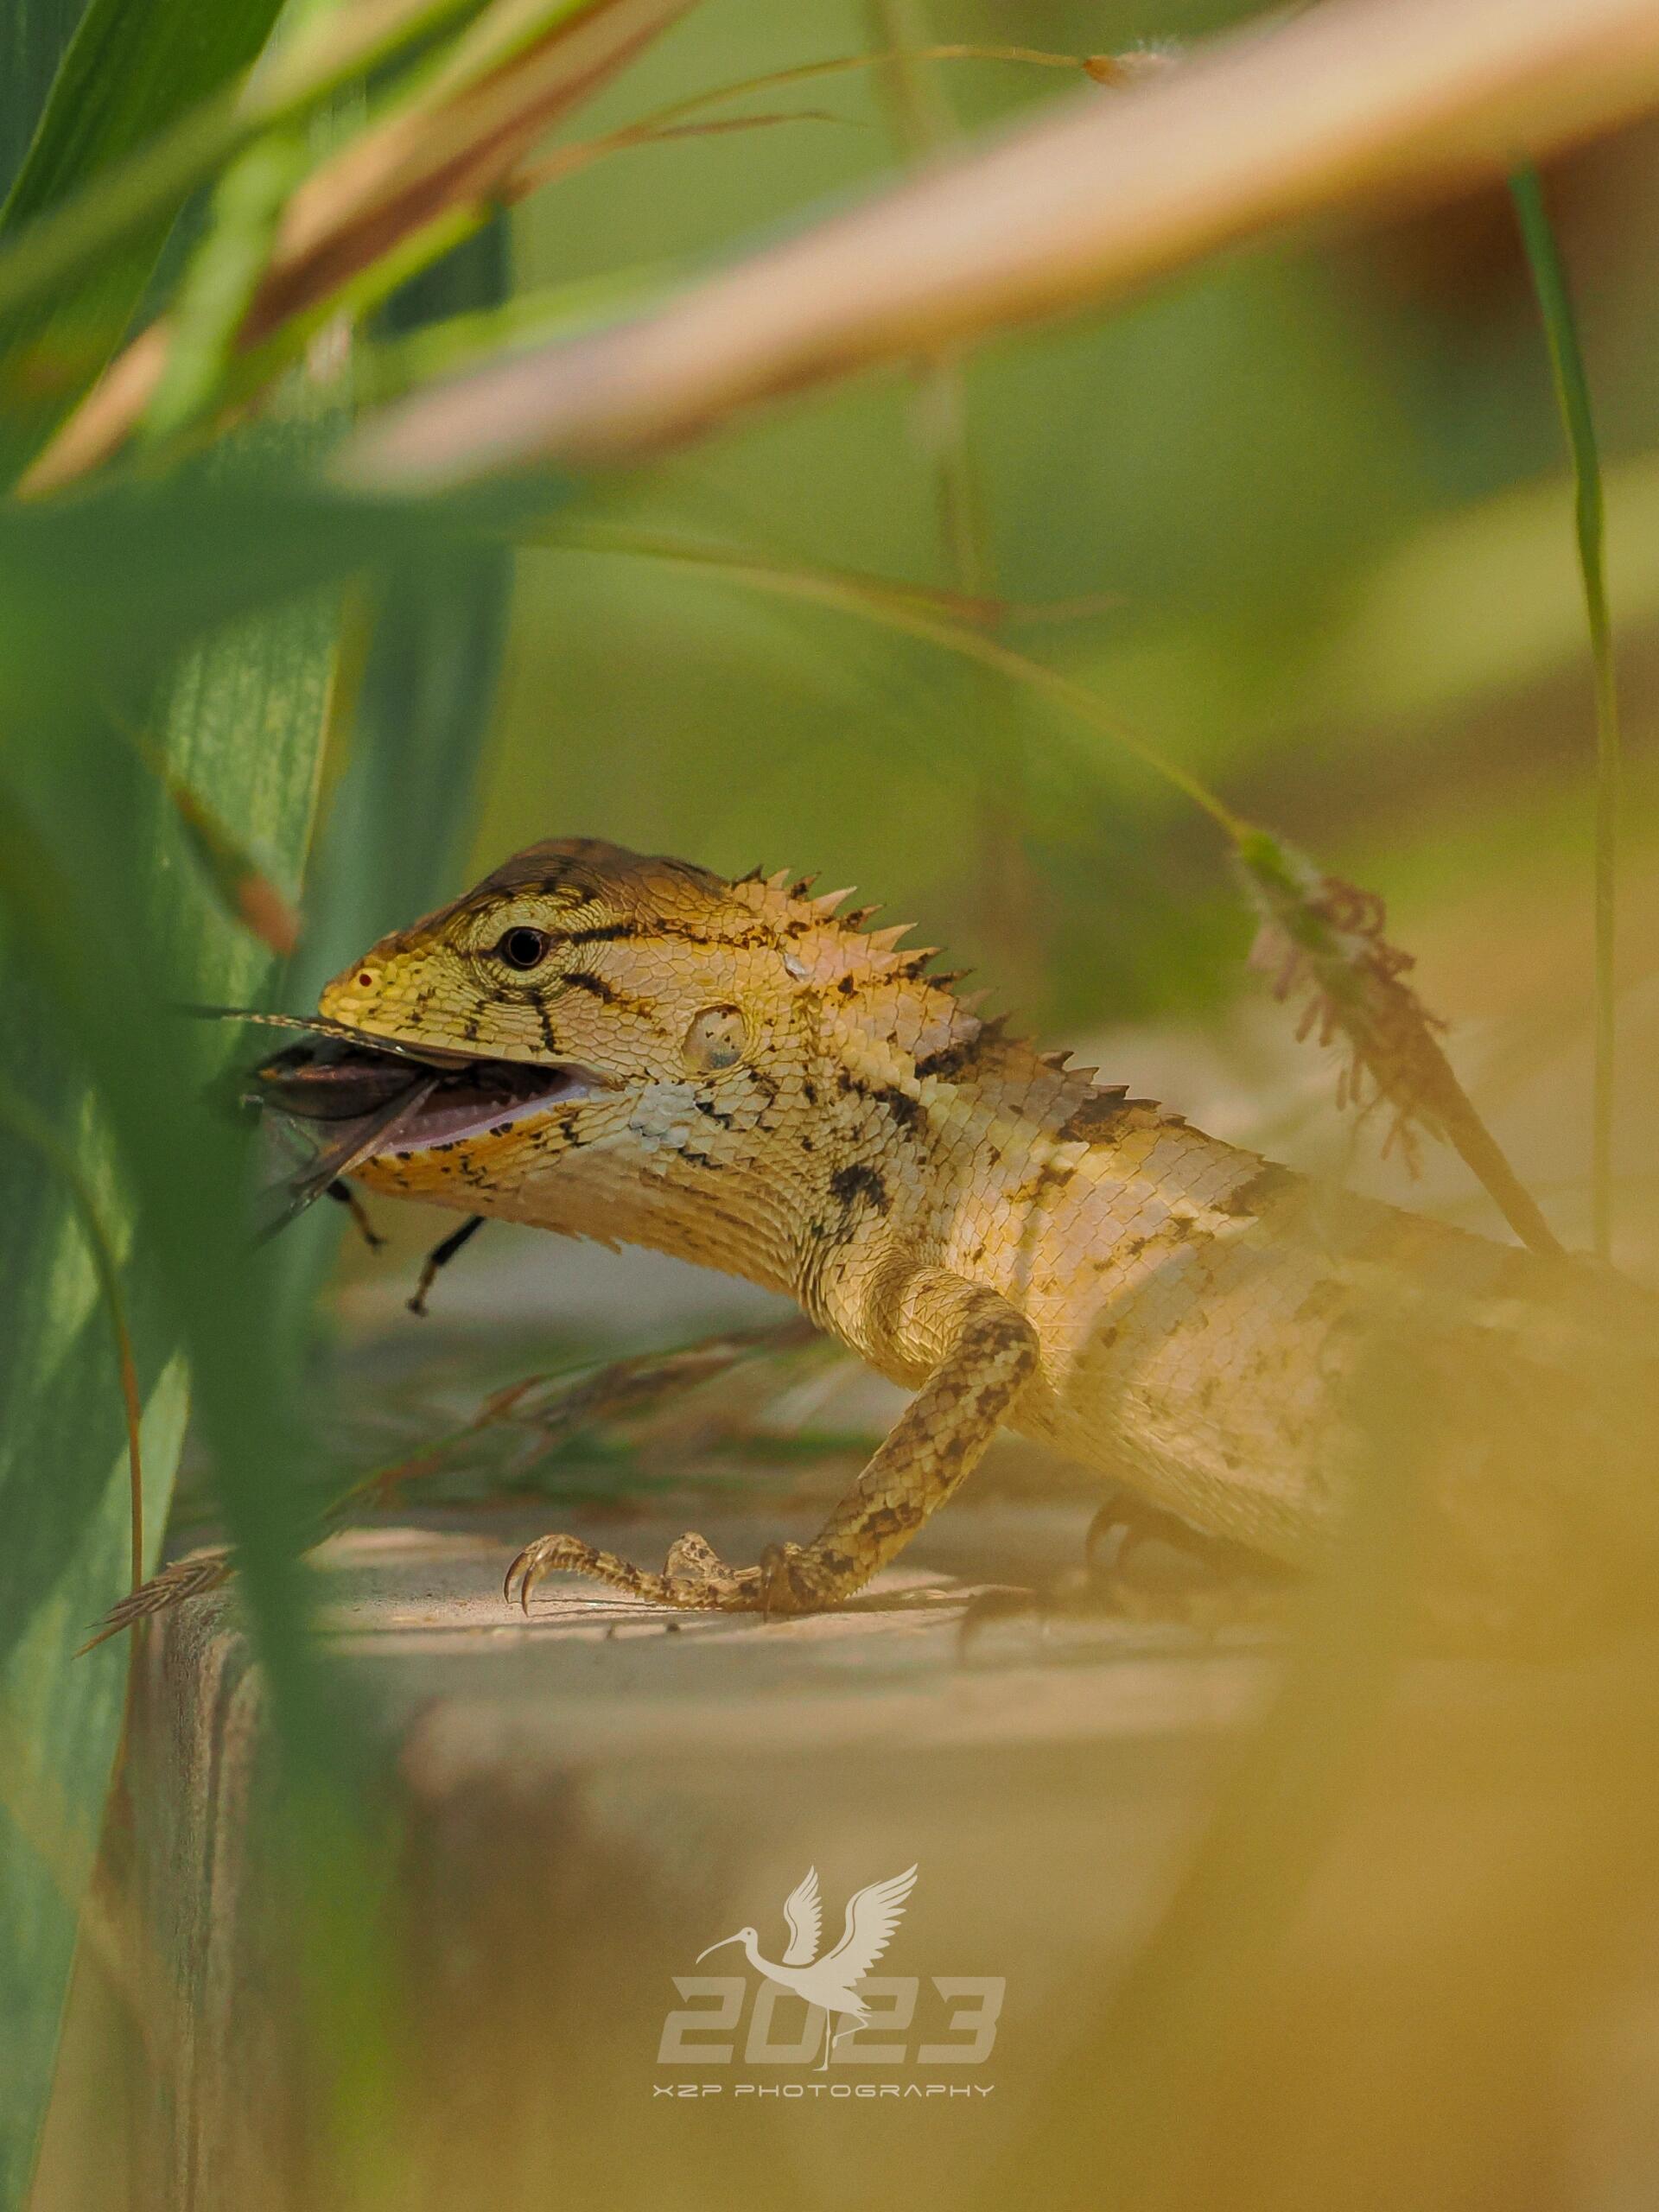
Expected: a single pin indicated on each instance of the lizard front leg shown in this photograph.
(981, 1354)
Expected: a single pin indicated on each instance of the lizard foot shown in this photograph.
(799, 1579)
(1141, 1564)
(1141, 1547)
(1151, 1564)
(694, 1575)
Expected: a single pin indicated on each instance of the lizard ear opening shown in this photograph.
(714, 1039)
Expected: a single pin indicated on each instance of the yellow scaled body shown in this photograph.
(751, 1082)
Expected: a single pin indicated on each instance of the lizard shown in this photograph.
(747, 1076)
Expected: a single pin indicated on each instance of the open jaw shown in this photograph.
(359, 1104)
(483, 1099)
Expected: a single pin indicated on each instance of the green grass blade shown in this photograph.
(107, 585)
(398, 361)
(31, 1127)
(63, 1488)
(33, 37)
(149, 184)
(105, 917)
(402, 816)
(185, 1169)
(1573, 398)
(222, 277)
(133, 68)
(402, 812)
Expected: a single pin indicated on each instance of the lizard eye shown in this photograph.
(522, 948)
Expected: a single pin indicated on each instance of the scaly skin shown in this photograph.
(789, 1099)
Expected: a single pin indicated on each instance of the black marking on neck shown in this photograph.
(951, 1060)
(905, 1110)
(848, 1184)
(1101, 1116)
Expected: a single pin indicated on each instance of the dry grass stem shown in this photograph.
(549, 1408)
(424, 161)
(186, 1577)
(1352, 103)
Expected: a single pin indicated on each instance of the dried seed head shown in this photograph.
(1325, 937)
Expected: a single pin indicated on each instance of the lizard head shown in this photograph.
(608, 1017)
(572, 954)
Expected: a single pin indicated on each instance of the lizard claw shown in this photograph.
(695, 1577)
(547, 1555)
(570, 1555)
(1143, 1554)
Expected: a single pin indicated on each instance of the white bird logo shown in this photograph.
(872, 1915)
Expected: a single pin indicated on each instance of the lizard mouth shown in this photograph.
(375, 1102)
(357, 1098)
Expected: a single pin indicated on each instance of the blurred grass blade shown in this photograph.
(132, 69)
(408, 720)
(34, 40)
(222, 277)
(444, 152)
(185, 1169)
(32, 1129)
(1125, 2119)
(103, 1077)
(102, 590)
(1573, 398)
(916, 612)
(926, 124)
(1352, 101)
(395, 361)
(148, 185)
(402, 815)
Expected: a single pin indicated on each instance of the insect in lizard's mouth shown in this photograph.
(357, 1097)
(374, 1103)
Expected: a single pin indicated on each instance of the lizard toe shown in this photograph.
(790, 1582)
(570, 1555)
(695, 1575)
(1143, 1563)
(536, 1561)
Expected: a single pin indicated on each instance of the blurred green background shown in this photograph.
(1319, 490)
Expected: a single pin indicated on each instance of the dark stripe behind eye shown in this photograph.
(578, 979)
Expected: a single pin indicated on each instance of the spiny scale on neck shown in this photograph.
(929, 1029)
